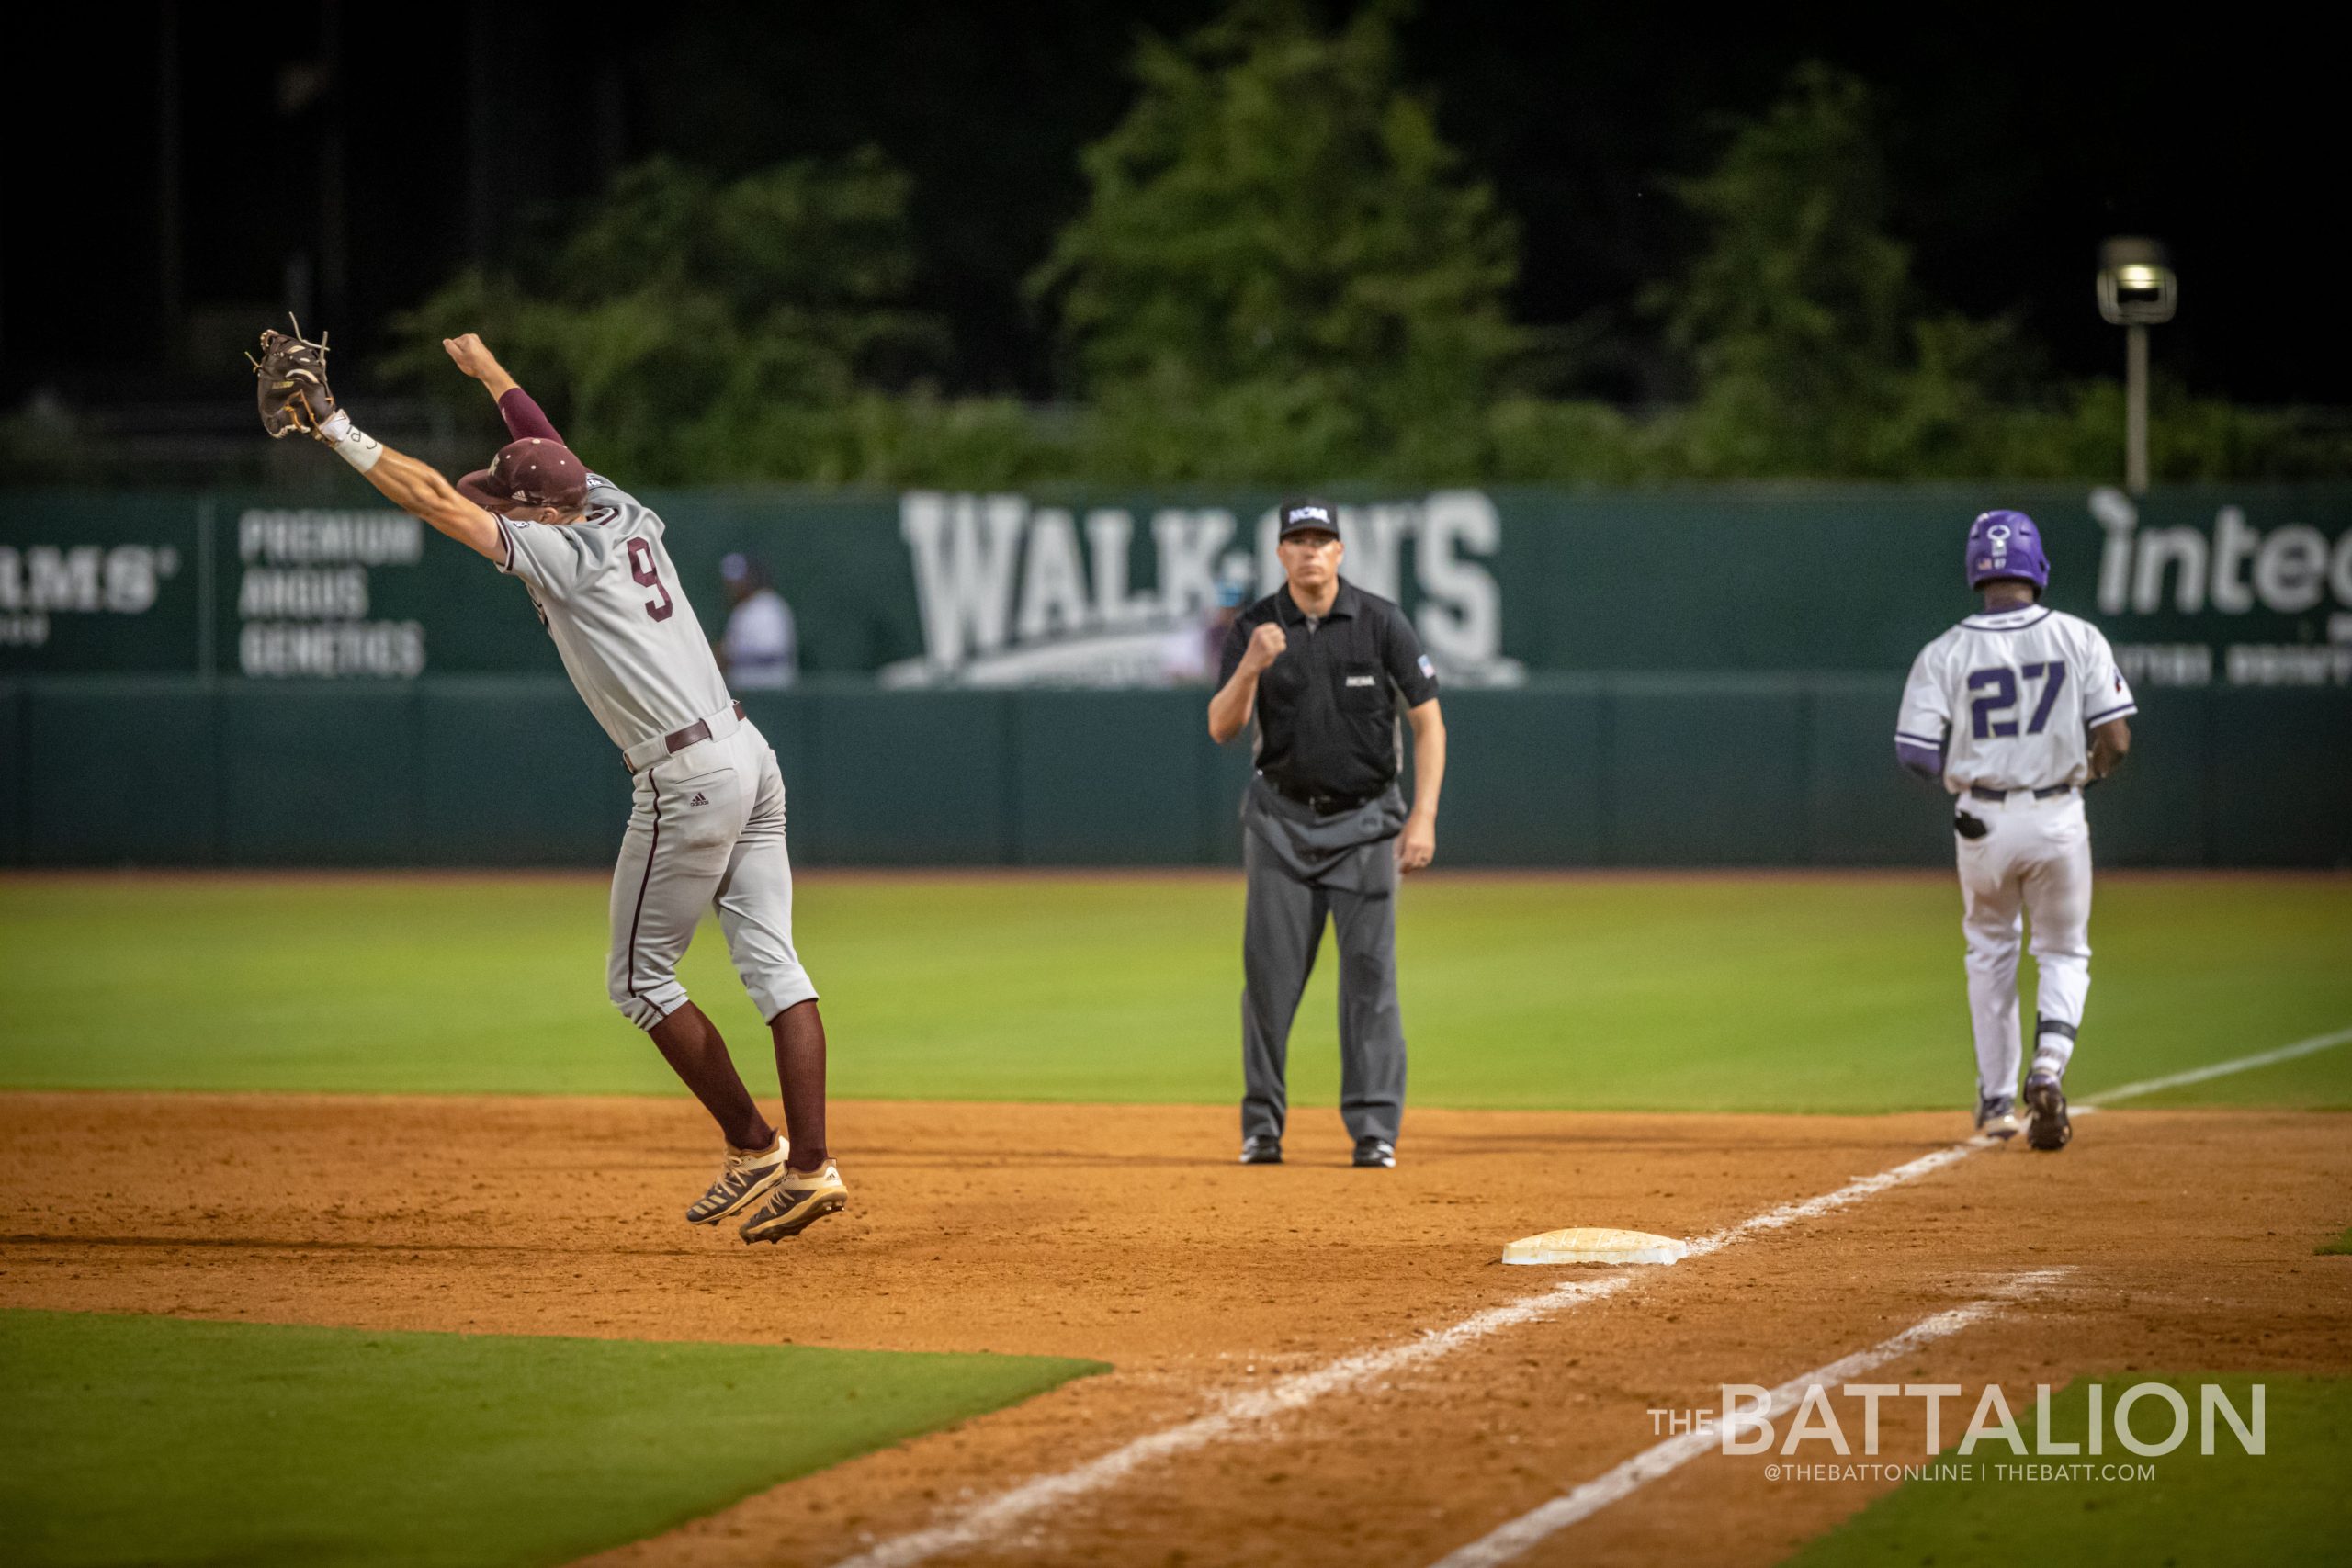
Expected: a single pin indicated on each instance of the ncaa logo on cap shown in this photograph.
(1307, 513)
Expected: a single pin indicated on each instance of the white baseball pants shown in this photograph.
(2032, 867)
(706, 828)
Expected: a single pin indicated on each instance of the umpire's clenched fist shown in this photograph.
(1266, 645)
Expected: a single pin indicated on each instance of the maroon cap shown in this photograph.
(529, 472)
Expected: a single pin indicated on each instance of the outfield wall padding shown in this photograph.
(1605, 771)
(2190, 583)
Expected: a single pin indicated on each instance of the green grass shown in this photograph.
(2340, 1248)
(1775, 993)
(2287, 1505)
(156, 1440)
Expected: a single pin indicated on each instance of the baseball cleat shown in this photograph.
(2051, 1128)
(799, 1200)
(746, 1176)
(1261, 1150)
(1997, 1116)
(1375, 1153)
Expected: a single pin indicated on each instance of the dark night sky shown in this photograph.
(2016, 142)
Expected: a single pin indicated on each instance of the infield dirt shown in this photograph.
(1125, 1234)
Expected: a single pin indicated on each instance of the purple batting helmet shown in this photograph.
(2006, 543)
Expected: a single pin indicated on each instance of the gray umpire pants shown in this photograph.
(1300, 868)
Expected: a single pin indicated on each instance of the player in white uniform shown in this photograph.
(2015, 710)
(759, 649)
(708, 825)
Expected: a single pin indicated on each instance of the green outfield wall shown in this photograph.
(1661, 677)
(2206, 586)
(1637, 770)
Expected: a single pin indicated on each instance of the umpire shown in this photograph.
(1325, 668)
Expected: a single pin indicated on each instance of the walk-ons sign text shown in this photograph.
(1016, 593)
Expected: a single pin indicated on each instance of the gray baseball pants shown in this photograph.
(706, 830)
(1299, 870)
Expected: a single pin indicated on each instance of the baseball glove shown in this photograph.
(292, 372)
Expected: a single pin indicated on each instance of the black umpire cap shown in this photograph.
(1307, 514)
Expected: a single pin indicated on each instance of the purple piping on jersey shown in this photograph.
(1934, 741)
(525, 421)
(1988, 615)
(639, 913)
(2112, 712)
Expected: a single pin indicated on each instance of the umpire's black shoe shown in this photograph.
(1375, 1153)
(2050, 1127)
(1261, 1150)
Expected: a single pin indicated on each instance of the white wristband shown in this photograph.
(354, 446)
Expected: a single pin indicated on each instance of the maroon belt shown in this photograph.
(679, 740)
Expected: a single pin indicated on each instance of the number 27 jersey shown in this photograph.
(2012, 698)
(612, 602)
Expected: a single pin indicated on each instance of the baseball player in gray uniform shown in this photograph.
(706, 828)
(2014, 711)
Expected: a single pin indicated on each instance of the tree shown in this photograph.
(1813, 351)
(1283, 270)
(690, 328)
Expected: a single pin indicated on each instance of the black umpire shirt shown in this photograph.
(1327, 709)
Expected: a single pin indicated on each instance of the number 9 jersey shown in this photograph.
(610, 598)
(2010, 697)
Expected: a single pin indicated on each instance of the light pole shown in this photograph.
(2136, 290)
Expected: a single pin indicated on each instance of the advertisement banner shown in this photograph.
(102, 584)
(2206, 586)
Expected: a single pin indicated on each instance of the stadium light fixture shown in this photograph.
(2137, 289)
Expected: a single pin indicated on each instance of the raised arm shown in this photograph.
(1237, 698)
(523, 417)
(293, 398)
(416, 488)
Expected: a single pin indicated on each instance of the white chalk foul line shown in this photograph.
(1662, 1459)
(2315, 1045)
(1007, 1511)
(1515, 1537)
(1853, 1191)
